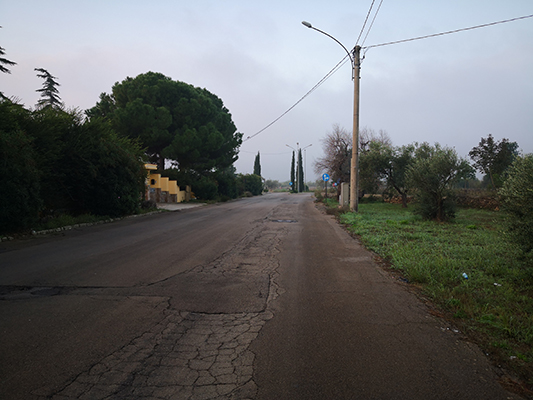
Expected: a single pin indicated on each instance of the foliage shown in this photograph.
(300, 180)
(174, 120)
(337, 146)
(105, 171)
(493, 158)
(272, 184)
(3, 68)
(293, 174)
(257, 165)
(517, 199)
(49, 92)
(61, 164)
(380, 162)
(5, 61)
(433, 173)
(20, 176)
(205, 188)
(250, 183)
(227, 183)
(495, 302)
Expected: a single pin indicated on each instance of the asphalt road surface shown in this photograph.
(260, 298)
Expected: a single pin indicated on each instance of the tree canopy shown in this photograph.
(173, 120)
(493, 158)
(337, 147)
(433, 173)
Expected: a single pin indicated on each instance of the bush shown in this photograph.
(227, 186)
(20, 190)
(205, 188)
(103, 172)
(517, 200)
(250, 183)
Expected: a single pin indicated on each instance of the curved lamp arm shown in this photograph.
(307, 24)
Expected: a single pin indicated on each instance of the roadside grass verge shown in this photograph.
(493, 305)
(68, 220)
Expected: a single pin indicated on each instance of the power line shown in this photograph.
(325, 78)
(372, 24)
(366, 48)
(366, 20)
(448, 32)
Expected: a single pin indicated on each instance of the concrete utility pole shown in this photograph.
(356, 66)
(354, 172)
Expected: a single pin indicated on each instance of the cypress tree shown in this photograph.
(257, 165)
(300, 172)
(293, 175)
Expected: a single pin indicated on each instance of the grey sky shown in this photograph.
(259, 59)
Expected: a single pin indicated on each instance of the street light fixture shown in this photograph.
(356, 65)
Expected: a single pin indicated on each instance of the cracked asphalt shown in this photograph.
(262, 298)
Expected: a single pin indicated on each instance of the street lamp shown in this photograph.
(356, 64)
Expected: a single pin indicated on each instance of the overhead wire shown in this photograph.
(364, 24)
(448, 32)
(325, 78)
(328, 75)
(372, 24)
(366, 48)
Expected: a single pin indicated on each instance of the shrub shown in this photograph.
(205, 188)
(517, 200)
(19, 192)
(250, 183)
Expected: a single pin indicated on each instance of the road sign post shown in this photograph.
(325, 178)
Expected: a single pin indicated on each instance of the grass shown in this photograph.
(494, 305)
(63, 220)
(68, 220)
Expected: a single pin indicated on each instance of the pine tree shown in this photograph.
(49, 93)
(257, 165)
(293, 175)
(5, 70)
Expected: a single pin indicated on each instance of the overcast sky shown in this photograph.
(260, 60)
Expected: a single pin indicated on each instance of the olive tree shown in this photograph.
(433, 172)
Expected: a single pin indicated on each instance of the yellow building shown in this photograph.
(163, 190)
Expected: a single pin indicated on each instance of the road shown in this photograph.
(260, 298)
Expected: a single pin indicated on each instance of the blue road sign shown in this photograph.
(325, 177)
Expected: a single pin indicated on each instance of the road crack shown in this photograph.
(192, 355)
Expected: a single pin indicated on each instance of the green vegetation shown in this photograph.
(493, 304)
(433, 173)
(517, 200)
(174, 121)
(58, 162)
(54, 162)
(257, 165)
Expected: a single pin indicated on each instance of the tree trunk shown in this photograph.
(160, 162)
(404, 199)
